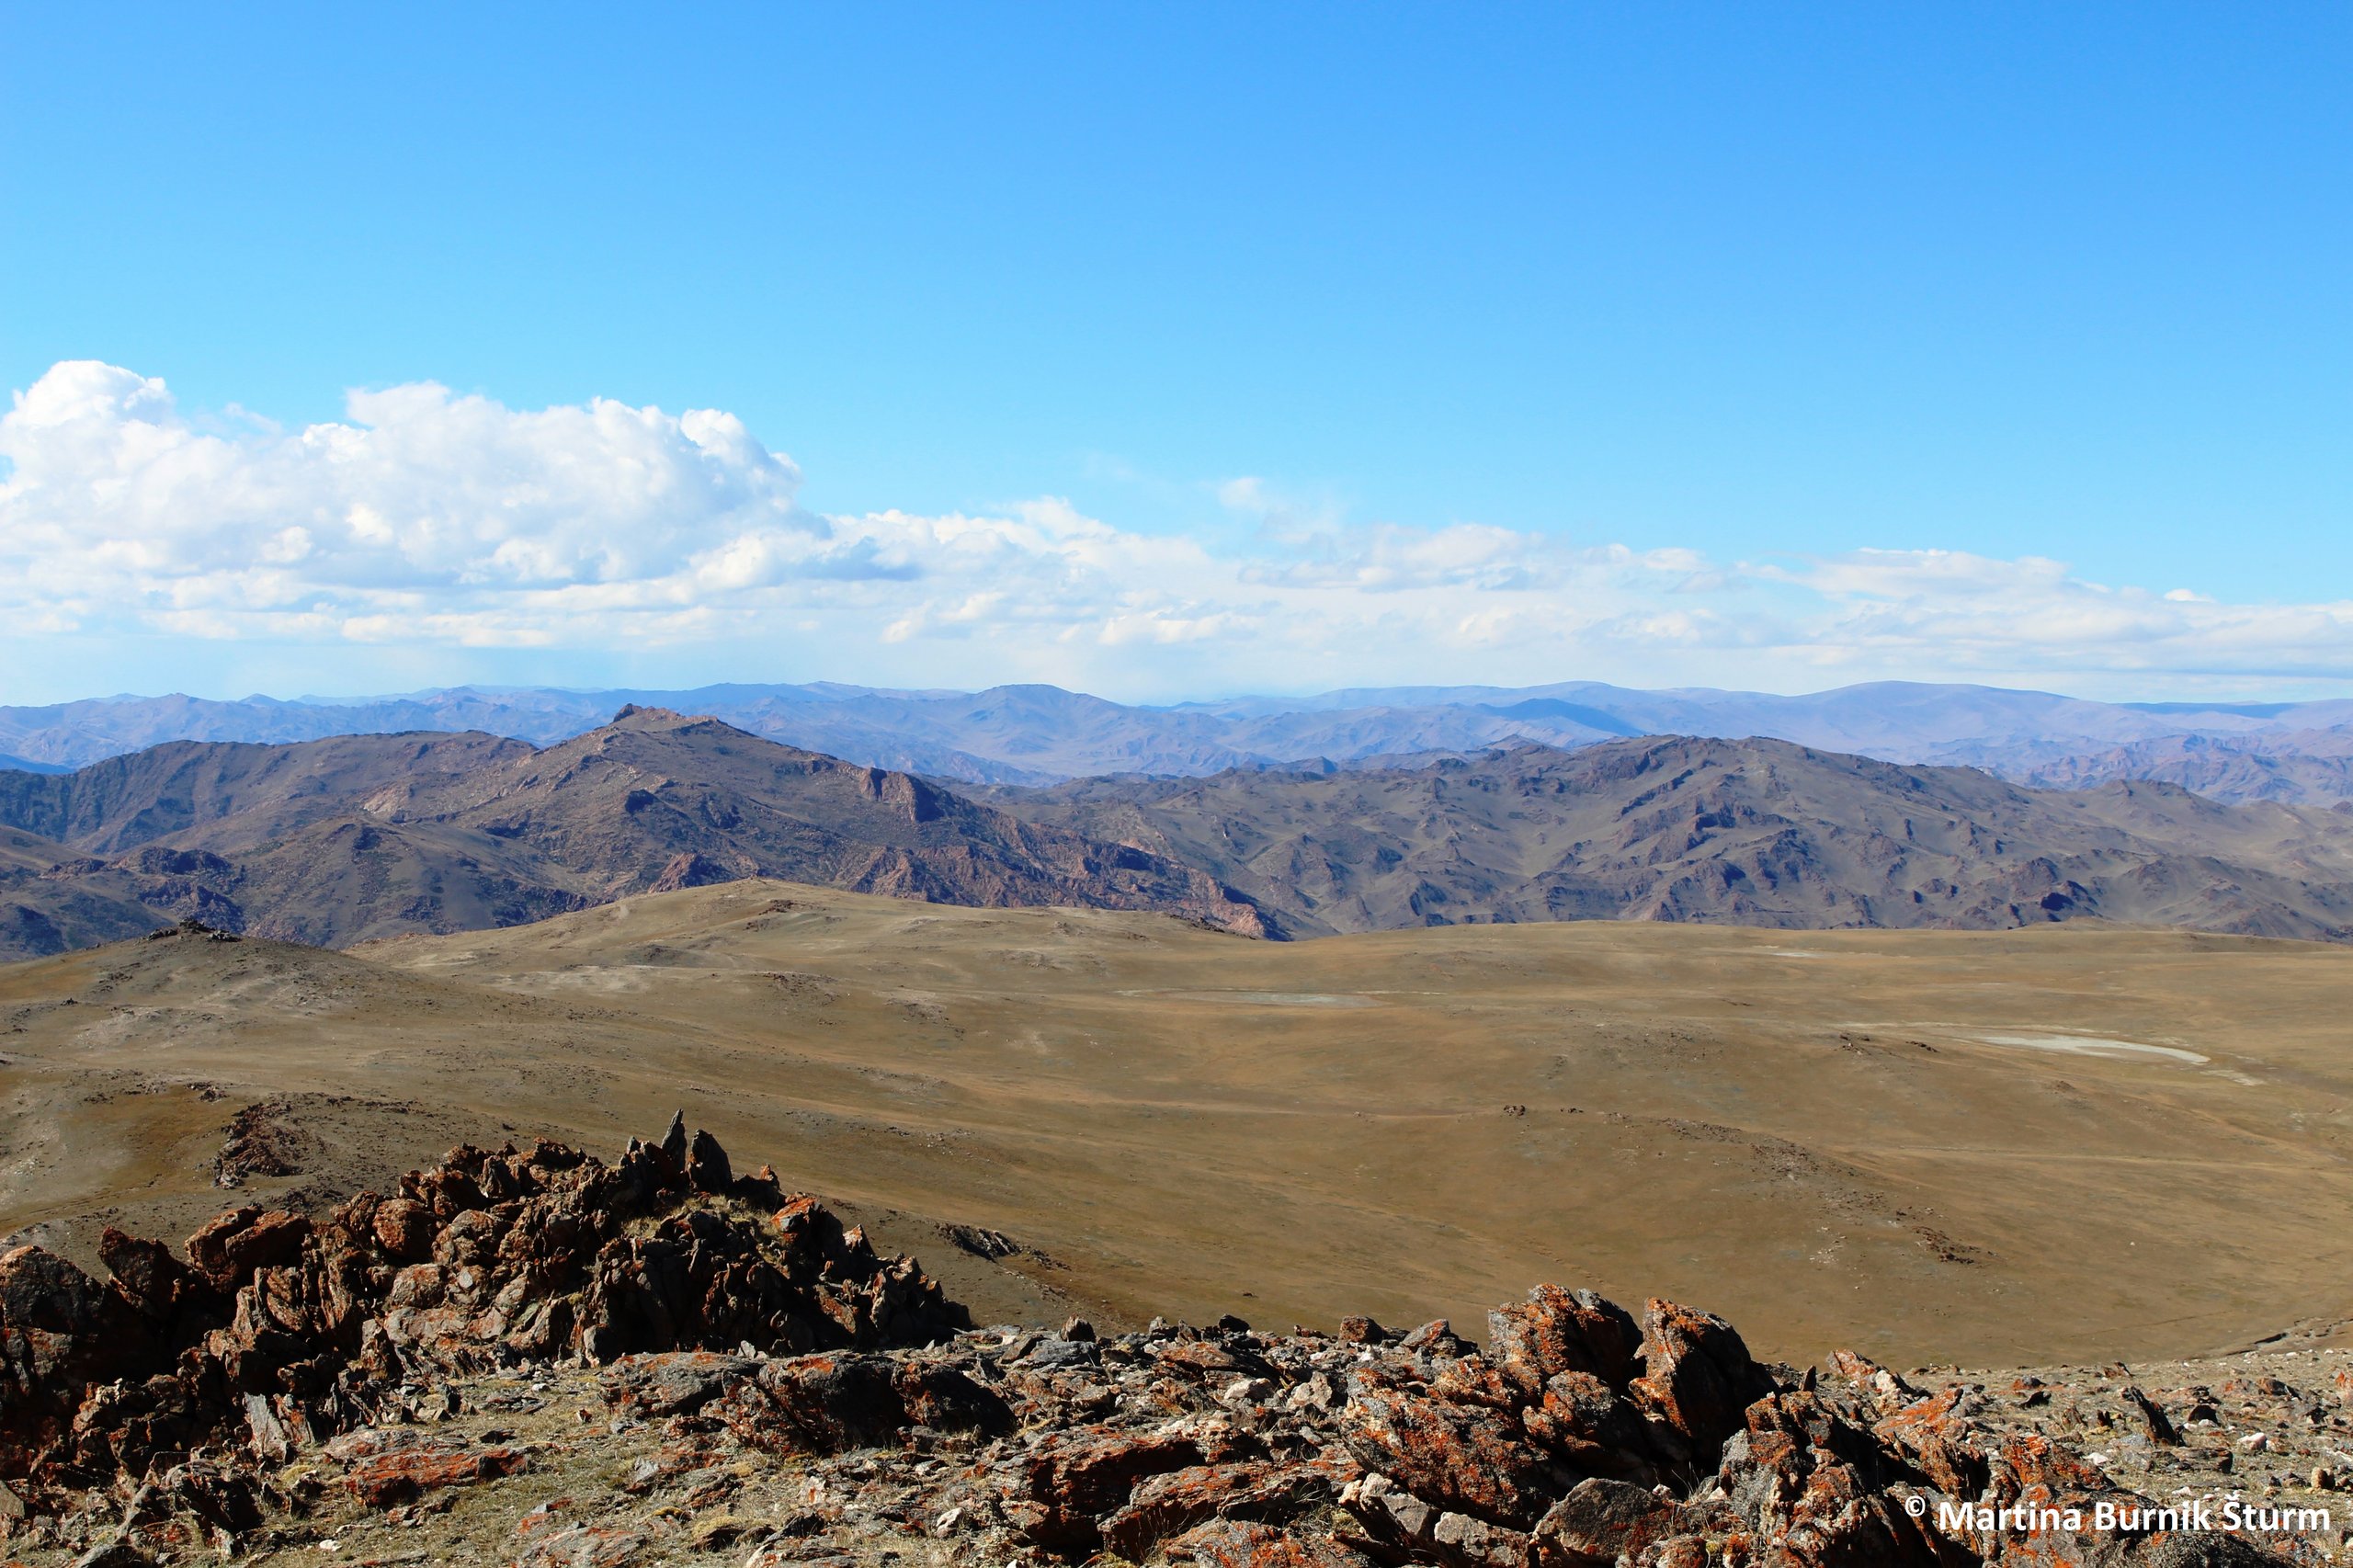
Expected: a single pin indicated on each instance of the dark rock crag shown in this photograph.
(273, 1333)
(755, 1336)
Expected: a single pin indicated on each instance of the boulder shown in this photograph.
(679, 1382)
(1069, 1484)
(1593, 1431)
(1698, 1377)
(1467, 1459)
(155, 1283)
(399, 1466)
(707, 1168)
(1258, 1492)
(830, 1404)
(1557, 1331)
(61, 1333)
(1602, 1521)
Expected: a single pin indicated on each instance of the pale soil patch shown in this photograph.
(2092, 1045)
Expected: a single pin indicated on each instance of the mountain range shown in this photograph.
(337, 841)
(1753, 833)
(352, 837)
(1041, 735)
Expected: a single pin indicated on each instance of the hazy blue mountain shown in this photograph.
(1043, 734)
(2301, 767)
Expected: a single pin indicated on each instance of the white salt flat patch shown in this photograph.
(2093, 1045)
(1265, 998)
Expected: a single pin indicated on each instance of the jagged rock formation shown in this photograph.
(275, 1333)
(712, 1316)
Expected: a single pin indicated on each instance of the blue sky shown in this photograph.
(1739, 345)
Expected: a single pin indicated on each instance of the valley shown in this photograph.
(2020, 1147)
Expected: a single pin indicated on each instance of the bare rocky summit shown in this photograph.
(529, 1356)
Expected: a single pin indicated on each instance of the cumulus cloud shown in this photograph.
(424, 514)
(429, 518)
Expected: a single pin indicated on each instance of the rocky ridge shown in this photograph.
(533, 1357)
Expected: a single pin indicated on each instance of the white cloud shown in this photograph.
(425, 510)
(429, 520)
(1977, 612)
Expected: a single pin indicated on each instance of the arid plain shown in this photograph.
(2074, 1142)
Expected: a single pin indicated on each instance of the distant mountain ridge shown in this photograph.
(1751, 831)
(1044, 735)
(337, 841)
(2298, 765)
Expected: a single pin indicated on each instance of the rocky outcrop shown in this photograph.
(722, 1353)
(275, 1332)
